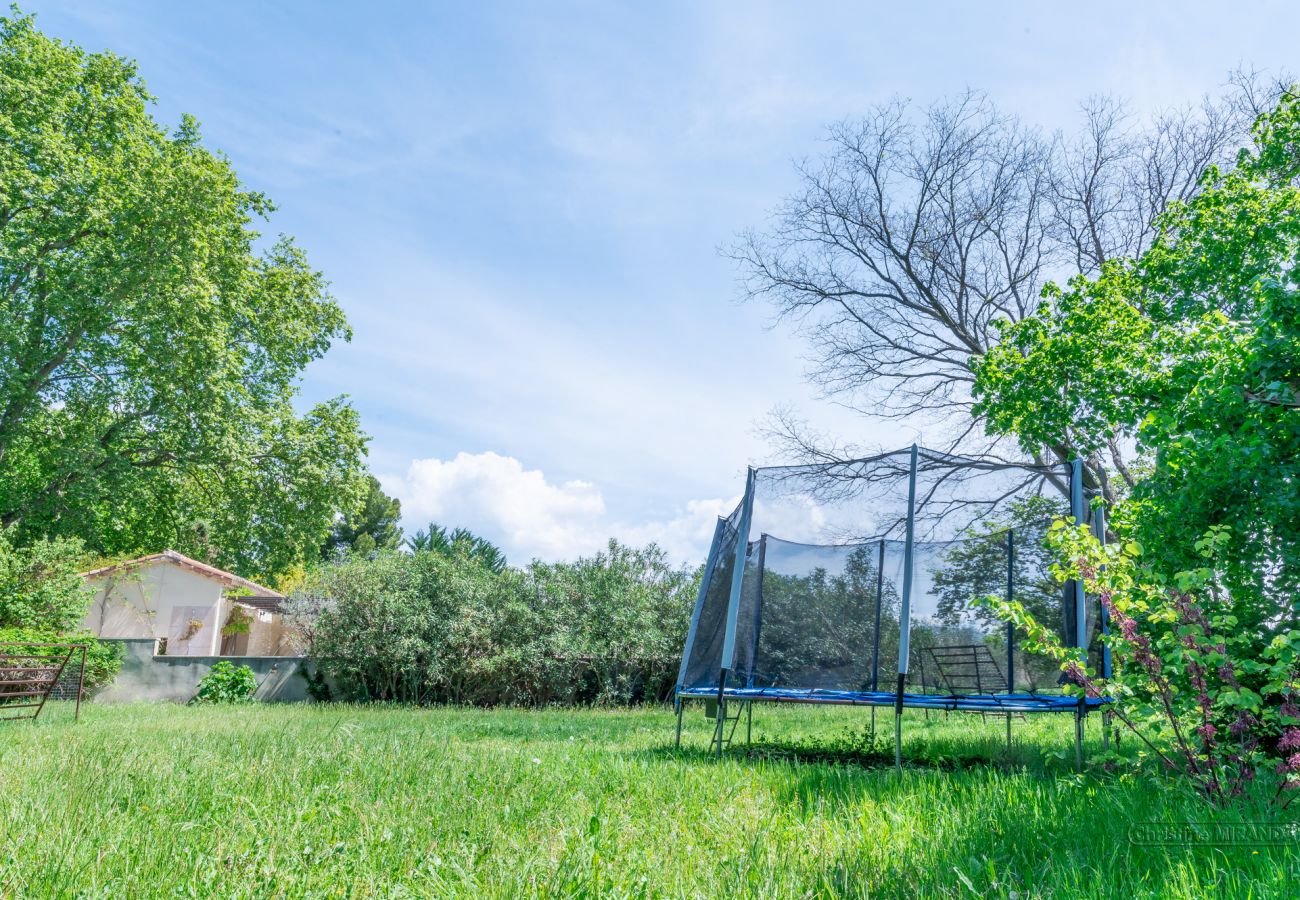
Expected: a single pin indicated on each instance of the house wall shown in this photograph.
(161, 600)
(145, 676)
(267, 635)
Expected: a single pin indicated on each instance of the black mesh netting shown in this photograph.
(820, 604)
(702, 660)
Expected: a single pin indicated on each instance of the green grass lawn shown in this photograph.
(335, 800)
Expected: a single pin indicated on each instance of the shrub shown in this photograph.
(386, 631)
(1188, 679)
(436, 627)
(226, 683)
(621, 623)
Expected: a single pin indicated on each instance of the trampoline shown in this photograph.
(856, 583)
(994, 703)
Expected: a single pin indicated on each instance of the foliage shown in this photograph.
(612, 625)
(1187, 680)
(226, 683)
(149, 351)
(238, 622)
(103, 658)
(460, 542)
(427, 626)
(373, 526)
(44, 600)
(820, 622)
(39, 584)
(1193, 350)
(318, 686)
(301, 611)
(976, 566)
(383, 634)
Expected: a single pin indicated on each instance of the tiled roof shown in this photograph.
(232, 581)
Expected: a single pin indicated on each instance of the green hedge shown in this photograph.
(423, 627)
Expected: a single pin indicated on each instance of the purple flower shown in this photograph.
(1290, 739)
(1242, 724)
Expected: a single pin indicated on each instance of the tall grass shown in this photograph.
(389, 802)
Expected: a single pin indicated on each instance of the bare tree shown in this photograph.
(919, 231)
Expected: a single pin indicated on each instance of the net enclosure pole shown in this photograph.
(1080, 611)
(1103, 617)
(733, 601)
(875, 639)
(1076, 510)
(905, 614)
(1099, 522)
(1011, 628)
(738, 573)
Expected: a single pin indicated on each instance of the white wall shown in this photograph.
(160, 600)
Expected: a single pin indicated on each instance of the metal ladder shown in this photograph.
(721, 714)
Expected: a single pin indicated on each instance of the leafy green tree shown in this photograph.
(374, 526)
(818, 628)
(459, 542)
(432, 540)
(39, 584)
(976, 566)
(1193, 351)
(43, 600)
(614, 623)
(150, 342)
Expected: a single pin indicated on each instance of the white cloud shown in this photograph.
(530, 517)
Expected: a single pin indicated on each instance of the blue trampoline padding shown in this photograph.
(1020, 703)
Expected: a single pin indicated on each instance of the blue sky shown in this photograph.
(520, 207)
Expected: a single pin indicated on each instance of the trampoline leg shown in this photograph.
(1078, 739)
(749, 723)
(680, 704)
(1008, 737)
(873, 724)
(902, 679)
(722, 723)
(1105, 732)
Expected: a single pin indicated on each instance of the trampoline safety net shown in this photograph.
(843, 576)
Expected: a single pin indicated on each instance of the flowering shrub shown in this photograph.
(1188, 679)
